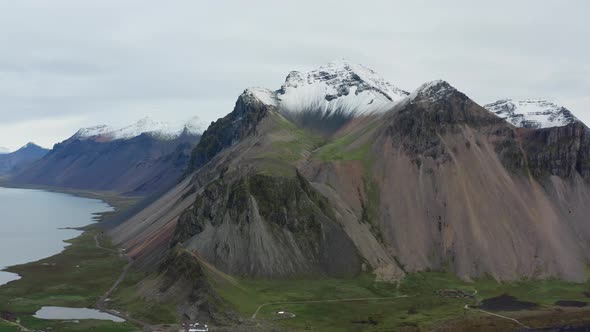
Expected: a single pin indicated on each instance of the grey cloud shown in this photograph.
(114, 61)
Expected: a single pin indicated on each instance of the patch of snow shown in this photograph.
(159, 129)
(4, 150)
(532, 113)
(266, 96)
(148, 126)
(339, 86)
(92, 131)
(195, 126)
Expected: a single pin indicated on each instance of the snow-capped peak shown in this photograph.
(147, 125)
(532, 113)
(338, 87)
(432, 91)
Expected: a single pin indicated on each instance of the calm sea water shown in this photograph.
(32, 222)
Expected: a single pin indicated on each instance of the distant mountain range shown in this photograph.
(139, 159)
(339, 171)
(13, 162)
(148, 126)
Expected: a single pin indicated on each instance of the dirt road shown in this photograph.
(101, 302)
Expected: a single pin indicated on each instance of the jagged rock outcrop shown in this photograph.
(560, 151)
(267, 226)
(229, 130)
(182, 280)
(434, 109)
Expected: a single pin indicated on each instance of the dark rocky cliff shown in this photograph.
(262, 225)
(559, 151)
(229, 130)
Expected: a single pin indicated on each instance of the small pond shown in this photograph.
(63, 313)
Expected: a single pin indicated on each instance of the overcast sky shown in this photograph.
(71, 64)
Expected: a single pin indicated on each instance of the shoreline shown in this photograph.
(116, 202)
(72, 278)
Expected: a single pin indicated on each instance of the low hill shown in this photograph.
(16, 161)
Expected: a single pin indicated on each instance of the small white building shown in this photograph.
(196, 327)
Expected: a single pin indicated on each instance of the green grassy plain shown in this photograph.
(8, 327)
(422, 308)
(77, 277)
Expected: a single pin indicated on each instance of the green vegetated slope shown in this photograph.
(291, 142)
(353, 145)
(127, 298)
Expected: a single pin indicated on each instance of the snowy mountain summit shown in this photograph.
(532, 113)
(339, 87)
(158, 129)
(432, 91)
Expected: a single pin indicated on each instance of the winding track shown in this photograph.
(496, 315)
(100, 304)
(22, 328)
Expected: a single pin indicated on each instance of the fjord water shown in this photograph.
(32, 224)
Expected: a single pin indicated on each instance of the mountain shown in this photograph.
(532, 113)
(139, 159)
(430, 181)
(15, 161)
(4, 150)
